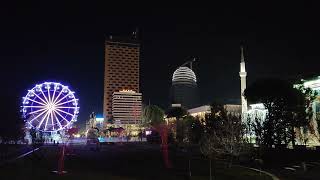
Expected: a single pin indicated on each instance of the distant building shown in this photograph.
(201, 111)
(184, 88)
(121, 71)
(126, 107)
(256, 111)
(233, 109)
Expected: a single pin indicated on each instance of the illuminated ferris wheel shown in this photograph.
(50, 107)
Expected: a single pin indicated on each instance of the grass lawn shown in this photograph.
(134, 162)
(236, 173)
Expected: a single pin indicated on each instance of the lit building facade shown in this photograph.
(121, 70)
(201, 111)
(184, 88)
(126, 107)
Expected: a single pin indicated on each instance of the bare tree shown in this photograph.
(209, 147)
(230, 137)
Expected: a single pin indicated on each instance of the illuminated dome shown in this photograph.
(184, 75)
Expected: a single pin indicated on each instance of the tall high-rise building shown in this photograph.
(184, 88)
(121, 69)
(243, 78)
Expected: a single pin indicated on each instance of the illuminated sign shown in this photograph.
(99, 119)
(127, 90)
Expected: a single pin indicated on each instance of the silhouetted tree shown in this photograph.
(226, 132)
(152, 115)
(287, 108)
(12, 127)
(178, 113)
(210, 148)
(317, 116)
(193, 128)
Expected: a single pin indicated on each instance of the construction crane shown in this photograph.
(189, 62)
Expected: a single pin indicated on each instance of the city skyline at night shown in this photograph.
(69, 48)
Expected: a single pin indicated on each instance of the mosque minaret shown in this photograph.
(243, 77)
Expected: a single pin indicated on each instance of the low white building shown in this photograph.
(201, 111)
(126, 107)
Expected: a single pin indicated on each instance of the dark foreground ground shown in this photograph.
(119, 162)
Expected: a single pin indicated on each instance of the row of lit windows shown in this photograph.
(120, 46)
(123, 53)
(114, 63)
(125, 69)
(122, 58)
(124, 80)
(127, 76)
(117, 71)
(122, 49)
(133, 79)
(126, 62)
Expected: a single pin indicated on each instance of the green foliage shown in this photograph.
(152, 115)
(209, 146)
(288, 108)
(318, 123)
(193, 128)
(33, 134)
(176, 112)
(214, 120)
(13, 130)
(223, 134)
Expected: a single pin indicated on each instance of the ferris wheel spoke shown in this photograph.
(65, 102)
(37, 116)
(47, 112)
(49, 95)
(54, 114)
(63, 98)
(61, 116)
(51, 114)
(39, 110)
(44, 96)
(64, 112)
(34, 106)
(54, 92)
(35, 101)
(47, 119)
(54, 100)
(39, 97)
(66, 107)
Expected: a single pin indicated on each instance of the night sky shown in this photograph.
(65, 43)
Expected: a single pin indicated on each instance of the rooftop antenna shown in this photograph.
(242, 55)
(189, 62)
(135, 33)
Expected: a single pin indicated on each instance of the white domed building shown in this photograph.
(184, 88)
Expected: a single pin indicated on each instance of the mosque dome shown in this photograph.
(184, 75)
